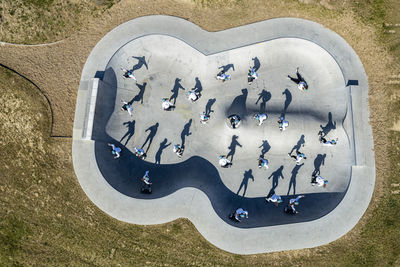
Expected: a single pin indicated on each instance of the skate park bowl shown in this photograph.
(171, 56)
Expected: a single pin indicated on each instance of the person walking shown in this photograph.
(115, 151)
(127, 107)
(283, 124)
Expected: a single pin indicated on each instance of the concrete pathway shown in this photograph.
(171, 56)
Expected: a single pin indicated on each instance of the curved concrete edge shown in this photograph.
(189, 201)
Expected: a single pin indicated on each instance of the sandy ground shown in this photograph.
(56, 68)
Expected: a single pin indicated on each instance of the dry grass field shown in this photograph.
(45, 217)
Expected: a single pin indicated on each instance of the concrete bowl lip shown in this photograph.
(242, 241)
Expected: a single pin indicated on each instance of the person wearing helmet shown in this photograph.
(178, 150)
(260, 117)
(115, 151)
(290, 208)
(223, 161)
(166, 104)
(262, 163)
(283, 123)
(318, 180)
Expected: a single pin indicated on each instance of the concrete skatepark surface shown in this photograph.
(168, 61)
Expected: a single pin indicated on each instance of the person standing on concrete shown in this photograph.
(274, 198)
(290, 208)
(166, 104)
(298, 157)
(128, 74)
(283, 124)
(301, 83)
(115, 151)
(204, 118)
(240, 214)
(127, 107)
(260, 117)
(318, 180)
(325, 142)
(193, 95)
(252, 75)
(262, 163)
(223, 76)
(178, 150)
(224, 161)
(140, 153)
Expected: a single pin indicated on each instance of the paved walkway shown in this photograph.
(172, 56)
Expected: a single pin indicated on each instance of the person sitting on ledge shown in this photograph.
(166, 104)
(318, 180)
(224, 162)
(260, 117)
(115, 150)
(222, 76)
(193, 95)
(140, 153)
(283, 124)
(178, 150)
(262, 163)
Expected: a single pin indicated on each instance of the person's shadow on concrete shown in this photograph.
(292, 181)
(318, 162)
(238, 105)
(139, 96)
(227, 67)
(275, 177)
(175, 90)
(299, 144)
(246, 176)
(209, 106)
(288, 100)
(265, 147)
(331, 125)
(152, 132)
(256, 64)
(130, 132)
(163, 145)
(186, 132)
(141, 63)
(264, 96)
(197, 87)
(232, 147)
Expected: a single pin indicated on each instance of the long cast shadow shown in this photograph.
(152, 133)
(275, 177)
(197, 87)
(163, 145)
(141, 62)
(175, 90)
(232, 147)
(264, 96)
(330, 125)
(139, 96)
(124, 175)
(265, 147)
(185, 132)
(210, 102)
(130, 132)
(299, 144)
(288, 100)
(246, 176)
(318, 161)
(292, 181)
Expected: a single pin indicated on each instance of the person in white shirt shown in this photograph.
(115, 150)
(193, 95)
(223, 161)
(274, 198)
(166, 104)
(204, 118)
(128, 74)
(260, 117)
(318, 180)
(326, 142)
(283, 124)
